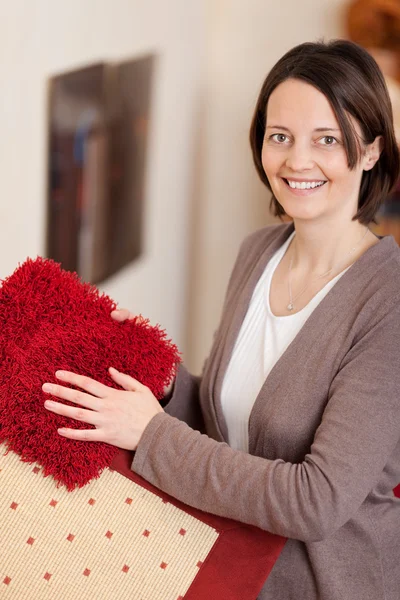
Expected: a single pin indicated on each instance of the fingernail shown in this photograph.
(49, 403)
(47, 387)
(60, 374)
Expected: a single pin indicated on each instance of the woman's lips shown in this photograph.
(303, 192)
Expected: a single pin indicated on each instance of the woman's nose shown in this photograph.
(299, 158)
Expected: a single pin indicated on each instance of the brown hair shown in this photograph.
(353, 84)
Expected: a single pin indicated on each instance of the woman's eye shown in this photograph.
(329, 140)
(281, 138)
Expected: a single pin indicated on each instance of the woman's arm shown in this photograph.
(358, 433)
(182, 395)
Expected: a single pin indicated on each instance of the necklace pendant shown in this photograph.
(290, 306)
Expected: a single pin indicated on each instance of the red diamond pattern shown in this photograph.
(128, 500)
(13, 505)
(6, 580)
(86, 572)
(30, 541)
(91, 501)
(199, 564)
(53, 503)
(163, 565)
(109, 534)
(182, 531)
(70, 537)
(146, 533)
(47, 576)
(35, 470)
(125, 568)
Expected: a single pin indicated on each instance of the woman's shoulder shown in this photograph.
(382, 262)
(258, 244)
(371, 287)
(271, 235)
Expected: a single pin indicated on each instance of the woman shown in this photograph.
(303, 379)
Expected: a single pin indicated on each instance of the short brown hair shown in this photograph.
(353, 84)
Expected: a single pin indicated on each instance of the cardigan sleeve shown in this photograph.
(308, 501)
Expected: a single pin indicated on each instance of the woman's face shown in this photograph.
(304, 158)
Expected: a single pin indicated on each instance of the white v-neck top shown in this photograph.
(262, 340)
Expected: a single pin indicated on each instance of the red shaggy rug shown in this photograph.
(49, 320)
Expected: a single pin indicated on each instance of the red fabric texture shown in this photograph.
(50, 320)
(397, 491)
(240, 561)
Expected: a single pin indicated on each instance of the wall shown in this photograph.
(46, 37)
(244, 41)
(203, 195)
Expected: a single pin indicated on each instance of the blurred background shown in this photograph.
(125, 149)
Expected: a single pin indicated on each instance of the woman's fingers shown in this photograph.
(119, 416)
(126, 382)
(121, 315)
(85, 435)
(75, 396)
(91, 386)
(79, 414)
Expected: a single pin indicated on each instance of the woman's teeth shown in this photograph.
(304, 185)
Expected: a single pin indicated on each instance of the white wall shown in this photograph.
(244, 40)
(40, 38)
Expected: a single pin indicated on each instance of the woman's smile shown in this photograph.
(304, 187)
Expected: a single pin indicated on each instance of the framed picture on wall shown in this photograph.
(98, 125)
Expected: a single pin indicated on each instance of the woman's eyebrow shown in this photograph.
(327, 129)
(318, 129)
(277, 127)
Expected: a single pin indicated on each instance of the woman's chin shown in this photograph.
(301, 213)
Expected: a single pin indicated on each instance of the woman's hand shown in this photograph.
(121, 315)
(119, 416)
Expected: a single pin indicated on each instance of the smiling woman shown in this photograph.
(306, 157)
(329, 168)
(351, 115)
(294, 424)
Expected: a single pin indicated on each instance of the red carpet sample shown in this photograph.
(120, 538)
(50, 320)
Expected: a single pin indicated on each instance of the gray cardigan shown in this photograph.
(324, 450)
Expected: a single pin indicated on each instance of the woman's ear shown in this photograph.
(372, 153)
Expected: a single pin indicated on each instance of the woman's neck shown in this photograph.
(317, 249)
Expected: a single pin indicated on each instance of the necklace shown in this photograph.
(292, 299)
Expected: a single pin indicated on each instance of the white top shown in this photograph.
(262, 340)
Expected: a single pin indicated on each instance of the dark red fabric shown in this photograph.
(397, 491)
(51, 320)
(239, 562)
